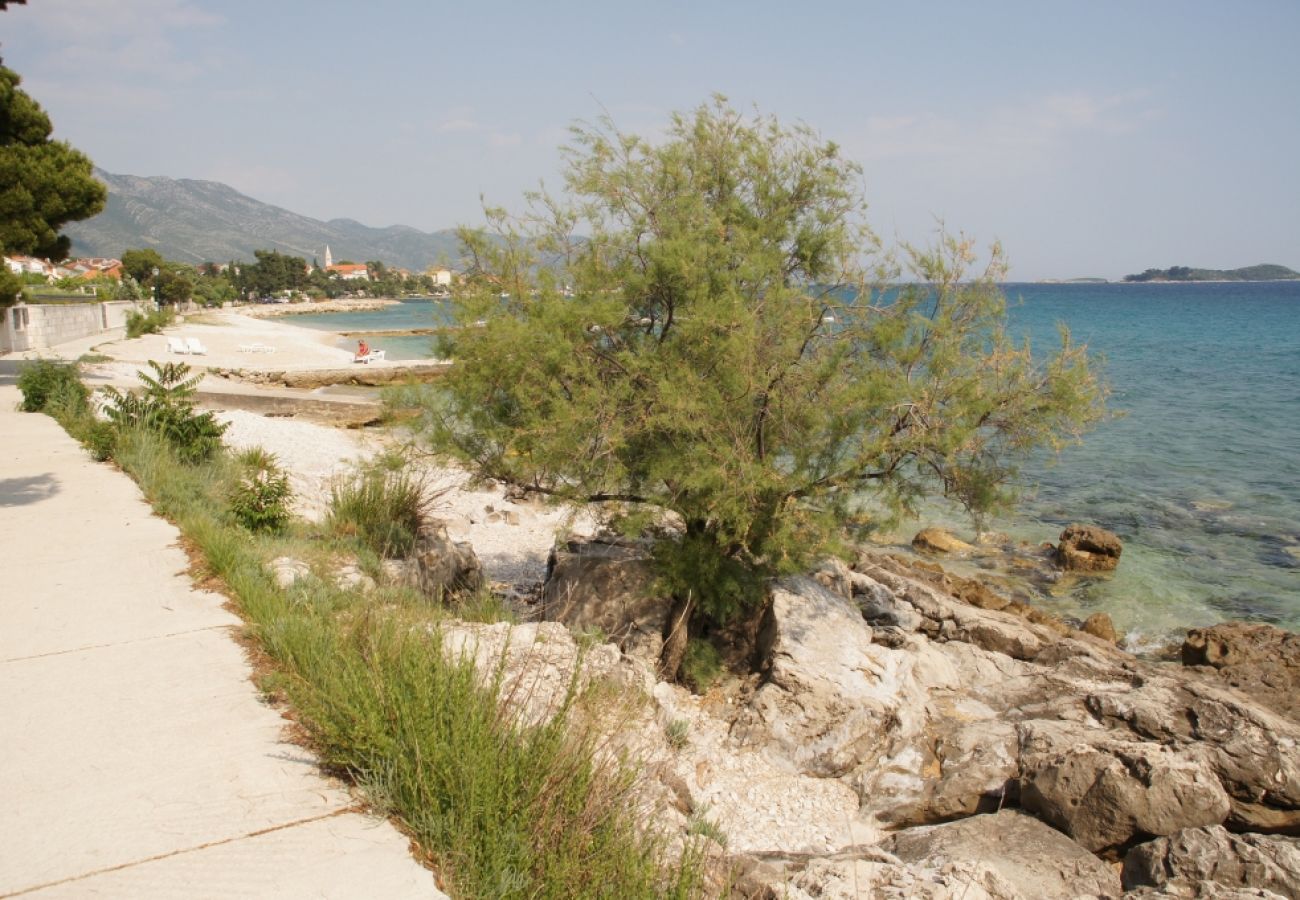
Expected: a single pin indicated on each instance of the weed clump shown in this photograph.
(381, 507)
(49, 382)
(259, 498)
(153, 322)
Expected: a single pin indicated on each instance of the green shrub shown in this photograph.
(166, 406)
(382, 507)
(100, 438)
(138, 323)
(260, 496)
(701, 665)
(47, 381)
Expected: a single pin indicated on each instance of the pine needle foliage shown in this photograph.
(729, 341)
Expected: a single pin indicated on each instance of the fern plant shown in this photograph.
(166, 406)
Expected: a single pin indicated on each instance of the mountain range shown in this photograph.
(207, 221)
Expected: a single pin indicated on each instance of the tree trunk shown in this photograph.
(679, 632)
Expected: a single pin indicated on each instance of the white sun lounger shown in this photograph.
(176, 345)
(372, 356)
(196, 346)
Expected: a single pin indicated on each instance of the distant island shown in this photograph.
(1265, 272)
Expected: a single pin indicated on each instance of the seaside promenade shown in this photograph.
(138, 758)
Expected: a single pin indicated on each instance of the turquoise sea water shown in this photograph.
(403, 316)
(1200, 476)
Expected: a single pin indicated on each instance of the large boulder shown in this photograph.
(1196, 857)
(939, 540)
(830, 698)
(1107, 796)
(1034, 859)
(606, 586)
(442, 568)
(1261, 661)
(1088, 548)
(539, 665)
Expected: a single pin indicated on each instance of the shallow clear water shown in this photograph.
(408, 314)
(1200, 476)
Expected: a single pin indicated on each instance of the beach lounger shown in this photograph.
(372, 356)
(196, 346)
(176, 345)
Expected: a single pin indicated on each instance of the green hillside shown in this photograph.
(1262, 272)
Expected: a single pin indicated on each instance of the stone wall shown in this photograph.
(41, 326)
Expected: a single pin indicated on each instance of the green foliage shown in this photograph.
(700, 825)
(99, 438)
(44, 184)
(139, 264)
(149, 322)
(382, 507)
(47, 382)
(260, 496)
(701, 666)
(273, 272)
(166, 407)
(677, 733)
(718, 346)
(11, 287)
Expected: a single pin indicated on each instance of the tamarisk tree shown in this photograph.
(729, 342)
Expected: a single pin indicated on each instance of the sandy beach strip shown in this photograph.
(511, 539)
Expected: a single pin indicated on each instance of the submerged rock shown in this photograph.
(1088, 548)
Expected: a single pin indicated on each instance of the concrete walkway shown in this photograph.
(137, 758)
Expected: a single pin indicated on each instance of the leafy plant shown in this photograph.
(382, 507)
(166, 406)
(48, 381)
(260, 496)
(152, 322)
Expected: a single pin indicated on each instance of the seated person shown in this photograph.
(363, 350)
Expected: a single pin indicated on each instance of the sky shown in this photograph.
(1090, 138)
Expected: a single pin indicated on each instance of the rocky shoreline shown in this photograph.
(278, 310)
(891, 739)
(890, 729)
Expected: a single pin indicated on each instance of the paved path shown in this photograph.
(137, 759)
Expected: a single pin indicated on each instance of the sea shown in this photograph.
(1197, 470)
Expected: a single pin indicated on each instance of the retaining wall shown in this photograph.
(43, 325)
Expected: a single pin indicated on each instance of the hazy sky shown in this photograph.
(1091, 138)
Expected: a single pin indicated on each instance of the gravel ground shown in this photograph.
(512, 540)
